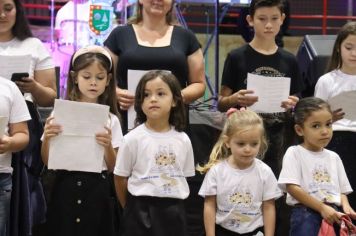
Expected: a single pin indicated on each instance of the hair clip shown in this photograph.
(230, 111)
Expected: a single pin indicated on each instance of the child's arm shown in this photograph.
(346, 207)
(327, 212)
(50, 130)
(104, 139)
(17, 140)
(121, 189)
(290, 102)
(269, 217)
(209, 215)
(242, 98)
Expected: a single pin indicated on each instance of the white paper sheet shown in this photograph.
(3, 124)
(76, 147)
(134, 76)
(271, 91)
(346, 101)
(14, 64)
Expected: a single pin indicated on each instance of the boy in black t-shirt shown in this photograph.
(263, 57)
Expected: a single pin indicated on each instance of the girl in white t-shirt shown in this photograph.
(81, 201)
(342, 78)
(313, 176)
(239, 189)
(154, 160)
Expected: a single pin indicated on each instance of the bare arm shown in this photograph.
(209, 215)
(50, 131)
(346, 207)
(105, 139)
(121, 189)
(227, 99)
(269, 217)
(327, 212)
(42, 87)
(17, 140)
(196, 86)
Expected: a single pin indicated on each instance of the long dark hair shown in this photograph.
(335, 59)
(21, 29)
(177, 116)
(109, 95)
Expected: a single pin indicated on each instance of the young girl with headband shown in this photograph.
(239, 189)
(81, 201)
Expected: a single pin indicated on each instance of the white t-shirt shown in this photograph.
(40, 58)
(156, 163)
(65, 23)
(12, 106)
(240, 193)
(320, 174)
(332, 84)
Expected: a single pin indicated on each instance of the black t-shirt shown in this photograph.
(245, 60)
(123, 42)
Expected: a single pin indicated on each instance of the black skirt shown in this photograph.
(81, 204)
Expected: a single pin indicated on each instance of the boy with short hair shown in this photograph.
(14, 110)
(263, 57)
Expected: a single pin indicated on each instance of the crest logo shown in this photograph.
(100, 19)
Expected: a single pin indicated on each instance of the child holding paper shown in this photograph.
(14, 137)
(341, 78)
(81, 200)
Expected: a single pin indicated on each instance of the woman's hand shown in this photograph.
(27, 85)
(51, 130)
(124, 98)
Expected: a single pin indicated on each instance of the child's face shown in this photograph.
(348, 54)
(244, 147)
(316, 130)
(158, 100)
(266, 22)
(92, 82)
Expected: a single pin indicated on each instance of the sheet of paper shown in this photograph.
(134, 76)
(3, 124)
(76, 147)
(14, 64)
(346, 101)
(271, 91)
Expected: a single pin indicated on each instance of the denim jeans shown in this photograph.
(5, 197)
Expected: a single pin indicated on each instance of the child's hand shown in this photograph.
(51, 130)
(5, 143)
(104, 138)
(243, 98)
(290, 102)
(338, 114)
(330, 214)
(349, 211)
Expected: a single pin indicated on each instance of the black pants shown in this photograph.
(153, 216)
(220, 231)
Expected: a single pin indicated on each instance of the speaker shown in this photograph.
(313, 57)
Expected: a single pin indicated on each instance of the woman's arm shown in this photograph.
(269, 217)
(196, 83)
(327, 212)
(42, 87)
(121, 189)
(209, 215)
(17, 140)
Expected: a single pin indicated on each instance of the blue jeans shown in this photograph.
(5, 197)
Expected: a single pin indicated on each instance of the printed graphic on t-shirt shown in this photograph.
(266, 71)
(165, 171)
(240, 208)
(322, 185)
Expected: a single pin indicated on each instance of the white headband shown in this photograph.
(92, 49)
